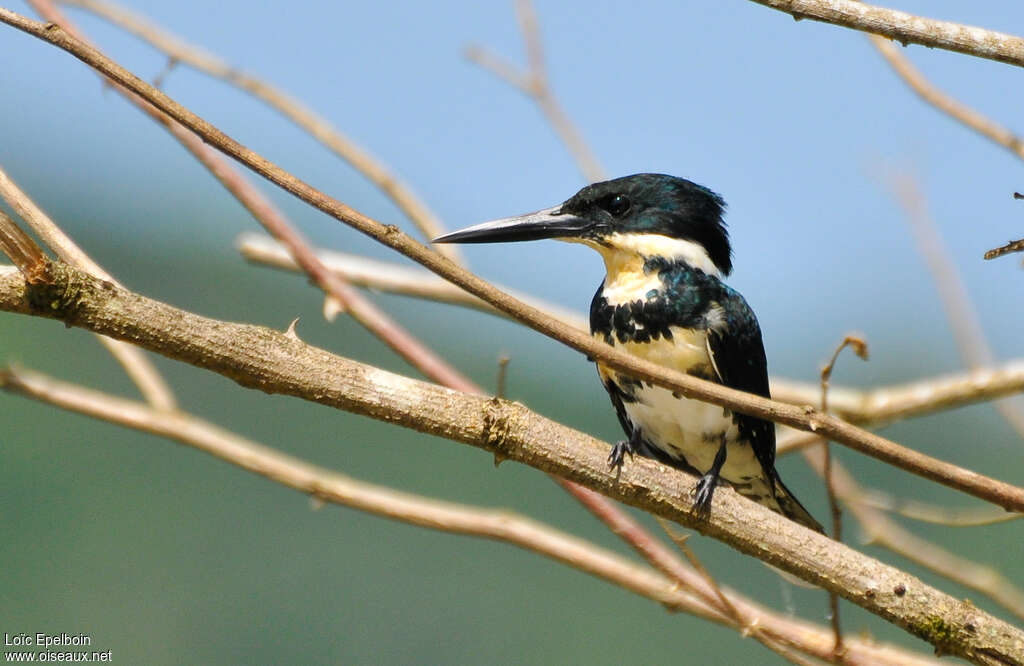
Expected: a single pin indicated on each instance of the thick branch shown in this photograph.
(875, 405)
(329, 486)
(271, 361)
(907, 28)
(500, 525)
(339, 292)
(139, 368)
(1003, 494)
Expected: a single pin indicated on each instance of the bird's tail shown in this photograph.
(792, 508)
(780, 501)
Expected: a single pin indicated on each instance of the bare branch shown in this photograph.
(339, 294)
(861, 349)
(960, 313)
(395, 278)
(336, 488)
(1001, 493)
(500, 525)
(534, 84)
(1012, 246)
(138, 368)
(359, 158)
(721, 600)
(930, 513)
(876, 405)
(47, 229)
(880, 530)
(907, 28)
(351, 300)
(22, 250)
(276, 363)
(946, 103)
(886, 404)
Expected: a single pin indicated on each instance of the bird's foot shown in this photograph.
(619, 452)
(704, 492)
(705, 489)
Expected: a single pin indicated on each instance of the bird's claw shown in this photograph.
(704, 492)
(619, 452)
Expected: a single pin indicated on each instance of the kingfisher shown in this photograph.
(666, 251)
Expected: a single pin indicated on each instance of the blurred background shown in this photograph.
(165, 555)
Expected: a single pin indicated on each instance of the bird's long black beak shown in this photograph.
(547, 223)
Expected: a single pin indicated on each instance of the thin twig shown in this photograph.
(533, 82)
(793, 440)
(502, 377)
(944, 102)
(956, 110)
(998, 492)
(719, 598)
(876, 405)
(1012, 246)
(889, 403)
(907, 28)
(880, 530)
(22, 250)
(319, 128)
(340, 293)
(930, 513)
(354, 303)
(395, 278)
(680, 540)
(861, 349)
(258, 357)
(328, 486)
(139, 369)
(960, 313)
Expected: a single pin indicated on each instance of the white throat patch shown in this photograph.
(624, 257)
(656, 245)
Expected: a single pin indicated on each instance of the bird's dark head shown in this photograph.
(644, 214)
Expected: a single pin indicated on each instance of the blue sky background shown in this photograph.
(794, 123)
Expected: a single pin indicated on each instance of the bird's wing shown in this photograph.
(615, 393)
(737, 355)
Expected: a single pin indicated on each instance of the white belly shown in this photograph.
(692, 431)
(685, 429)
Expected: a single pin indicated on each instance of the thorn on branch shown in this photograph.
(502, 375)
(291, 330)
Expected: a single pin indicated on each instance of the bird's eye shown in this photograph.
(617, 205)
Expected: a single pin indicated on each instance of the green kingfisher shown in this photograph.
(666, 249)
